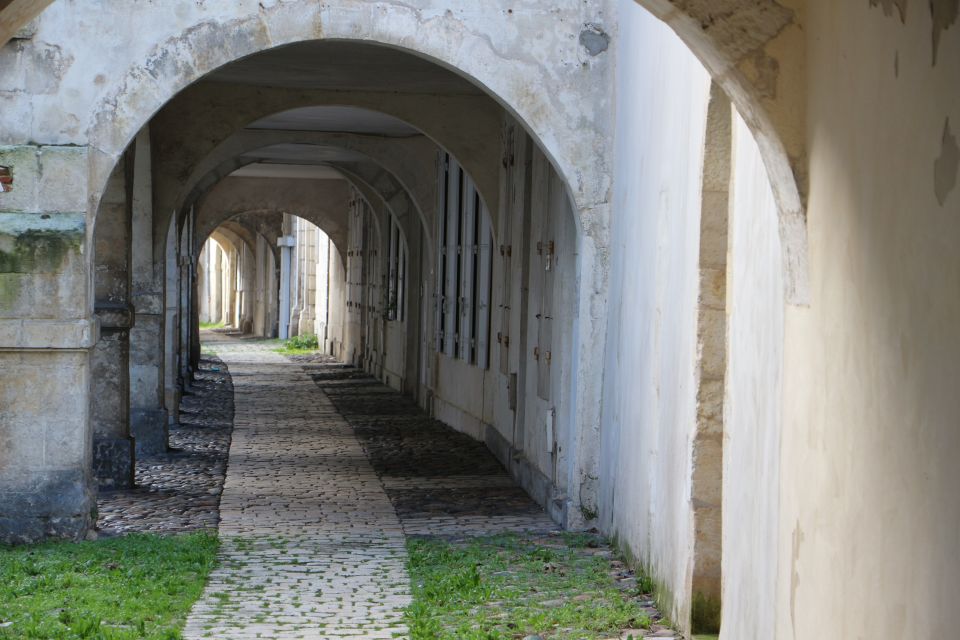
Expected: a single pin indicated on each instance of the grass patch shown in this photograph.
(136, 586)
(211, 325)
(299, 345)
(508, 586)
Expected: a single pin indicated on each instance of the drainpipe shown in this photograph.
(285, 243)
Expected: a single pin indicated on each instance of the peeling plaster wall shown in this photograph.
(649, 392)
(752, 406)
(870, 515)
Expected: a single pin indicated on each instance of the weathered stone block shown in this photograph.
(149, 430)
(51, 504)
(24, 164)
(42, 267)
(113, 462)
(63, 179)
(49, 179)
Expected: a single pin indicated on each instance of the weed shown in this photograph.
(137, 586)
(299, 345)
(508, 586)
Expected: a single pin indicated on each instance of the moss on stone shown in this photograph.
(38, 251)
(35, 243)
(705, 614)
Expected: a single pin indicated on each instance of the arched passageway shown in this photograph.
(463, 264)
(577, 233)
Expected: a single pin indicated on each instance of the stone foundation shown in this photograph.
(113, 462)
(149, 430)
(49, 505)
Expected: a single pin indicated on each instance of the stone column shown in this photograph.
(322, 289)
(46, 333)
(113, 452)
(216, 284)
(285, 243)
(148, 414)
(248, 295)
(308, 280)
(296, 277)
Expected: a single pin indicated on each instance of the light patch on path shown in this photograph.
(311, 545)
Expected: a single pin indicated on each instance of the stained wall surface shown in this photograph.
(753, 406)
(648, 386)
(871, 428)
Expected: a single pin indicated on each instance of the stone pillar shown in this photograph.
(113, 451)
(148, 414)
(296, 277)
(706, 491)
(173, 364)
(216, 284)
(285, 243)
(322, 289)
(248, 271)
(203, 283)
(308, 292)
(46, 333)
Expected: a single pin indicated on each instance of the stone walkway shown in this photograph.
(440, 482)
(329, 471)
(311, 544)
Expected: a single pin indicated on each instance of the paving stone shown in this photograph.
(311, 544)
(441, 482)
(179, 491)
(322, 487)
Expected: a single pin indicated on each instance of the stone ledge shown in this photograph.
(22, 334)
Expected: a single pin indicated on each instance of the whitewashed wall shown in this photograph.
(752, 408)
(648, 391)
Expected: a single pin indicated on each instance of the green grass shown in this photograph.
(211, 325)
(299, 345)
(136, 586)
(508, 586)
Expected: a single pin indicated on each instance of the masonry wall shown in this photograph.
(648, 393)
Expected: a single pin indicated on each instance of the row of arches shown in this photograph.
(176, 134)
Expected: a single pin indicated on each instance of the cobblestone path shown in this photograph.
(179, 491)
(311, 544)
(441, 482)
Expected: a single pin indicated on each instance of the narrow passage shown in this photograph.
(311, 544)
(329, 473)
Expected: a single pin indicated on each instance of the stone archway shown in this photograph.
(755, 52)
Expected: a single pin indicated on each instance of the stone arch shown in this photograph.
(325, 205)
(555, 117)
(392, 154)
(390, 177)
(755, 52)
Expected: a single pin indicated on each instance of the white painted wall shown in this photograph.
(870, 515)
(649, 396)
(753, 402)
